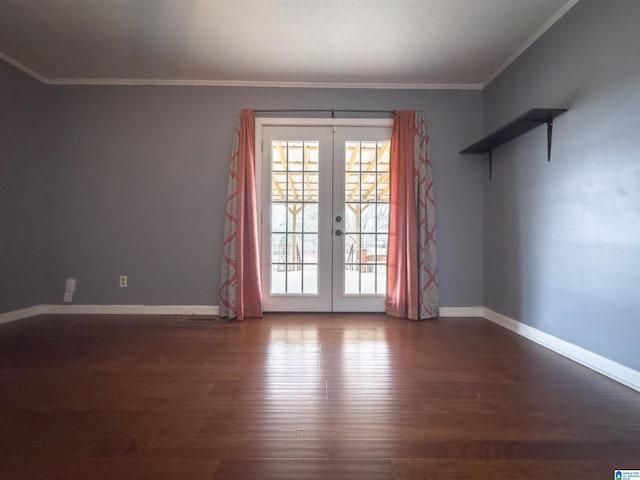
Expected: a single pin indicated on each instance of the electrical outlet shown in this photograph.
(70, 288)
(123, 281)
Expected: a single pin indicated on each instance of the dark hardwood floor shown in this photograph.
(294, 396)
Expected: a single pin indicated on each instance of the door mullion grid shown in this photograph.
(302, 212)
(333, 226)
(339, 183)
(360, 218)
(375, 234)
(286, 236)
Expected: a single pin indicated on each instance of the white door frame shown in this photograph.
(262, 122)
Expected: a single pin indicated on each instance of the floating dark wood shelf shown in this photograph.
(528, 121)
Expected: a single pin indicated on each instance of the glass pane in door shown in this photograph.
(366, 217)
(294, 217)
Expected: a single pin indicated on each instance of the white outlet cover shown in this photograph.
(68, 297)
(123, 281)
(71, 285)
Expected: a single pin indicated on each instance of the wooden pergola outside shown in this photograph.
(295, 183)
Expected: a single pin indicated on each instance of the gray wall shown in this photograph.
(25, 190)
(140, 182)
(562, 239)
(101, 181)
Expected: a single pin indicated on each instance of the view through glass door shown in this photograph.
(325, 216)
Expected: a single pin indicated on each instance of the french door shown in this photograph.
(324, 195)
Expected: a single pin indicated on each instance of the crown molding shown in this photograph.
(541, 31)
(234, 83)
(261, 84)
(23, 68)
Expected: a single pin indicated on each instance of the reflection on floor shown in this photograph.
(302, 396)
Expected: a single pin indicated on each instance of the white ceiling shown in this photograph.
(364, 43)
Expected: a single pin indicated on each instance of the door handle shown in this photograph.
(338, 232)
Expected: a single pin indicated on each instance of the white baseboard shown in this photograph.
(598, 363)
(108, 310)
(461, 311)
(20, 314)
(167, 310)
(132, 309)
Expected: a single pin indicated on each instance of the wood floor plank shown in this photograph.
(413, 469)
(206, 445)
(307, 468)
(337, 396)
(49, 468)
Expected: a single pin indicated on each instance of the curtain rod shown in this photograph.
(320, 110)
